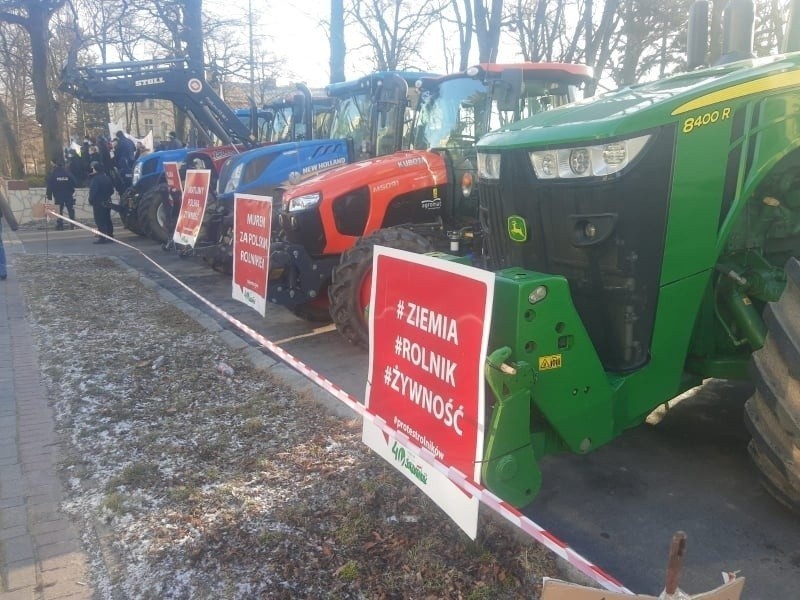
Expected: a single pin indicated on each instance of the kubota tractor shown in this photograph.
(645, 240)
(420, 198)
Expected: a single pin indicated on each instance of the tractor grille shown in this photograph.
(614, 272)
(496, 241)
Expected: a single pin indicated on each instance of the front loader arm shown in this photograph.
(174, 80)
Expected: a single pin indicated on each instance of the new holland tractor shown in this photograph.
(183, 84)
(420, 198)
(300, 115)
(645, 240)
(366, 111)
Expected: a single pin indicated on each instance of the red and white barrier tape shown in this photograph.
(511, 514)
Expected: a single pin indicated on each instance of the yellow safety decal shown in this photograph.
(714, 116)
(770, 82)
(550, 362)
(746, 301)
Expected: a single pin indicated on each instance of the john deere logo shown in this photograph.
(517, 229)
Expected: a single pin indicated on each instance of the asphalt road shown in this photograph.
(618, 506)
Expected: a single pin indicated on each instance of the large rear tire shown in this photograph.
(772, 414)
(351, 280)
(152, 213)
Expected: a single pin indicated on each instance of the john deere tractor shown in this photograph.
(645, 240)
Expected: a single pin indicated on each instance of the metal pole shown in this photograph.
(252, 66)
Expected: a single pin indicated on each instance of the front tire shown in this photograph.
(350, 289)
(153, 212)
(772, 414)
(129, 213)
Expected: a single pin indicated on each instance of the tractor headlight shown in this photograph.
(586, 161)
(488, 166)
(137, 172)
(233, 182)
(303, 202)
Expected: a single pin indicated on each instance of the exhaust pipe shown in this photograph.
(697, 35)
(738, 17)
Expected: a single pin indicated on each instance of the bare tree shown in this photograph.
(14, 78)
(541, 30)
(394, 30)
(771, 18)
(488, 22)
(646, 26)
(337, 45)
(464, 24)
(34, 17)
(567, 31)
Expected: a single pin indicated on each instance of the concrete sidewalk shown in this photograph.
(40, 553)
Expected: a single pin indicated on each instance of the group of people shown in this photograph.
(116, 156)
(109, 168)
(105, 166)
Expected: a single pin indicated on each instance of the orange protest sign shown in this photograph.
(193, 207)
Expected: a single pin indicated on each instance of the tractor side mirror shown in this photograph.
(509, 90)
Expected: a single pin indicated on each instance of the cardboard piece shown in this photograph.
(555, 589)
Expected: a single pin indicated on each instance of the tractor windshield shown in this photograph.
(458, 112)
(281, 125)
(537, 95)
(351, 120)
(264, 124)
(454, 112)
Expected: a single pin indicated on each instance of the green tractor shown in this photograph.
(645, 240)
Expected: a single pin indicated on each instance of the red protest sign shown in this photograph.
(173, 176)
(193, 206)
(252, 217)
(429, 330)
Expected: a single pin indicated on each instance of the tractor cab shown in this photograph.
(457, 110)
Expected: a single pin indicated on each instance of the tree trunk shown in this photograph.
(338, 48)
(10, 144)
(487, 29)
(193, 32)
(465, 28)
(46, 106)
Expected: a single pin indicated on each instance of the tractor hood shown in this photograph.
(644, 106)
(151, 165)
(260, 170)
(388, 170)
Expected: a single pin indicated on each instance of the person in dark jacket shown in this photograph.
(61, 189)
(76, 167)
(124, 158)
(101, 188)
(173, 143)
(95, 156)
